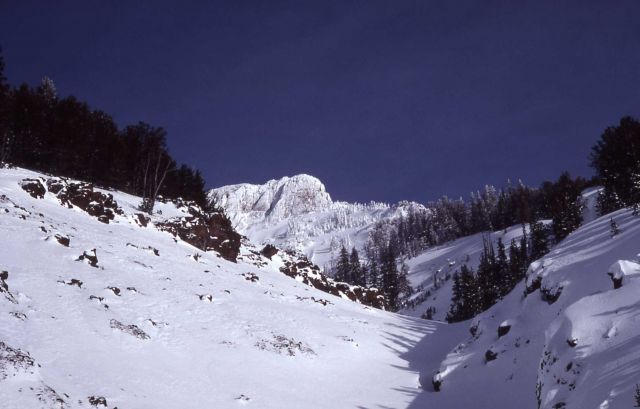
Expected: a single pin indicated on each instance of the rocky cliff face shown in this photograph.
(273, 201)
(297, 213)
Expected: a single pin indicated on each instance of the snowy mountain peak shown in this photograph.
(297, 213)
(273, 201)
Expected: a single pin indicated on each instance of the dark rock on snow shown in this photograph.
(206, 231)
(64, 240)
(129, 329)
(34, 187)
(490, 355)
(91, 257)
(503, 330)
(269, 251)
(298, 266)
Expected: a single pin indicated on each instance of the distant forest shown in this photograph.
(66, 137)
(616, 160)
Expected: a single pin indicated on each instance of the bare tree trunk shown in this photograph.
(5, 147)
(158, 181)
(152, 183)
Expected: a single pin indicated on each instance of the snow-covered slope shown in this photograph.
(157, 323)
(431, 272)
(571, 342)
(297, 212)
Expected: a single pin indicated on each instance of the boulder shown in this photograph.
(206, 231)
(34, 187)
(622, 270)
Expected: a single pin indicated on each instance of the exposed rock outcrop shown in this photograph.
(75, 194)
(129, 329)
(206, 231)
(299, 267)
(34, 187)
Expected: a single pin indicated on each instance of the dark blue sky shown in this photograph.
(382, 100)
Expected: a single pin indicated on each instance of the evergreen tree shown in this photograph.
(515, 264)
(356, 272)
(564, 204)
(6, 135)
(488, 276)
(404, 288)
(539, 240)
(614, 227)
(470, 292)
(364, 272)
(608, 201)
(390, 282)
(634, 194)
(501, 270)
(465, 301)
(456, 309)
(343, 267)
(64, 136)
(616, 159)
(375, 278)
(48, 90)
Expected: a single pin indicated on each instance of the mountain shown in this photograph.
(274, 201)
(319, 228)
(102, 306)
(297, 213)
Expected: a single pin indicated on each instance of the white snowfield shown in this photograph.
(176, 330)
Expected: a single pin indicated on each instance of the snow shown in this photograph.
(188, 329)
(624, 268)
(297, 213)
(318, 231)
(264, 344)
(441, 262)
(600, 370)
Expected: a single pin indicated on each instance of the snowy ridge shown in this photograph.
(273, 201)
(297, 213)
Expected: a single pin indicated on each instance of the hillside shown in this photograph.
(157, 323)
(98, 309)
(438, 264)
(565, 338)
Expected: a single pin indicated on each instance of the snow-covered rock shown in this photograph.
(273, 201)
(297, 213)
(621, 270)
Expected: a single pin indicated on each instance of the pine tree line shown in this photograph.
(383, 268)
(66, 137)
(349, 269)
(491, 210)
(616, 160)
(498, 273)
